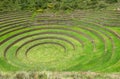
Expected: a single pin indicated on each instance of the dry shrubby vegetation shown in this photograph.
(58, 75)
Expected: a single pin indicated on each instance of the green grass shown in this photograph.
(84, 45)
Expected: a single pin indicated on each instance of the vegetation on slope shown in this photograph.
(12, 5)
